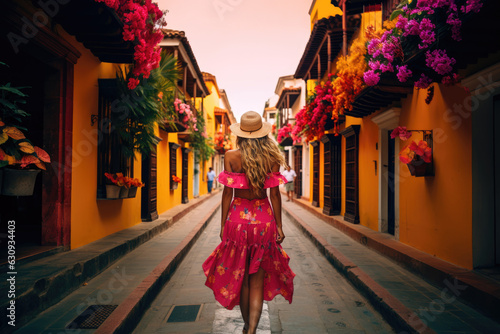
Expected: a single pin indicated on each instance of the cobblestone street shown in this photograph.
(324, 301)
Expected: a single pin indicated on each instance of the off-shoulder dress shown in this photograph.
(248, 242)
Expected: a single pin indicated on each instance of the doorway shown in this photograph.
(388, 176)
(315, 191)
(390, 184)
(496, 144)
(297, 162)
(149, 210)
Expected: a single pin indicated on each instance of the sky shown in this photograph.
(246, 44)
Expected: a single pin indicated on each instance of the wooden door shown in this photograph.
(315, 191)
(332, 177)
(390, 186)
(496, 122)
(351, 174)
(149, 210)
(297, 162)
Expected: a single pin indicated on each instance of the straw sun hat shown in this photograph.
(251, 126)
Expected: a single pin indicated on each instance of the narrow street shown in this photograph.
(323, 302)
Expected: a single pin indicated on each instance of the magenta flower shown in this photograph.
(439, 61)
(403, 73)
(423, 82)
(401, 132)
(450, 80)
(371, 77)
(386, 68)
(472, 6)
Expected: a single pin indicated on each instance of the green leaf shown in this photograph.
(13, 90)
(395, 14)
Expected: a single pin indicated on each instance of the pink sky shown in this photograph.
(246, 44)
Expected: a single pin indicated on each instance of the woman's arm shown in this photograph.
(275, 197)
(227, 194)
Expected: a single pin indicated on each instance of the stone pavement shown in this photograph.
(45, 281)
(323, 302)
(118, 281)
(439, 310)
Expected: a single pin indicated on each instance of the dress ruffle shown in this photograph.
(240, 181)
(249, 236)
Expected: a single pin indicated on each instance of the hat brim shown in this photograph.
(262, 132)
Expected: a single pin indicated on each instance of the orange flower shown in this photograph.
(221, 270)
(177, 179)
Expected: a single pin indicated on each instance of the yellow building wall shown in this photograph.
(322, 9)
(436, 212)
(92, 219)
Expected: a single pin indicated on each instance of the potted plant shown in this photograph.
(134, 184)
(20, 160)
(114, 185)
(175, 181)
(285, 135)
(417, 156)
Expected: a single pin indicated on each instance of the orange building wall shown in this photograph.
(92, 219)
(368, 180)
(436, 212)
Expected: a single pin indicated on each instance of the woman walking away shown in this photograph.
(249, 264)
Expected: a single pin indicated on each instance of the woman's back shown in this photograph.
(233, 163)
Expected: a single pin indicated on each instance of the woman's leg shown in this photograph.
(256, 295)
(244, 300)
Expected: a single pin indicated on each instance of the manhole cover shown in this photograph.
(184, 313)
(92, 317)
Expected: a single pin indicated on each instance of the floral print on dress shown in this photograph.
(249, 236)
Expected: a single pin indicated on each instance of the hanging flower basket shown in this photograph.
(287, 141)
(19, 182)
(112, 191)
(418, 167)
(174, 185)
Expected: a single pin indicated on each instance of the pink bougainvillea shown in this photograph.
(142, 21)
(284, 132)
(417, 24)
(186, 115)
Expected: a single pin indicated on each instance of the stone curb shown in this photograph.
(481, 292)
(394, 312)
(125, 317)
(83, 264)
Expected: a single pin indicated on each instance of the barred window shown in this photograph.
(110, 158)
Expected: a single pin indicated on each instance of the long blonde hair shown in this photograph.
(258, 156)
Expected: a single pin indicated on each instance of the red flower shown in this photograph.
(401, 132)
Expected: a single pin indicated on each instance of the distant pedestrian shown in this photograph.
(251, 229)
(210, 179)
(290, 176)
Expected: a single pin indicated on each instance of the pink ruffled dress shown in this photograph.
(249, 236)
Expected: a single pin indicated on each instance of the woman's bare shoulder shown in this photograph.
(232, 160)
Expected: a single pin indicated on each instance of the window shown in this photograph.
(173, 163)
(110, 158)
